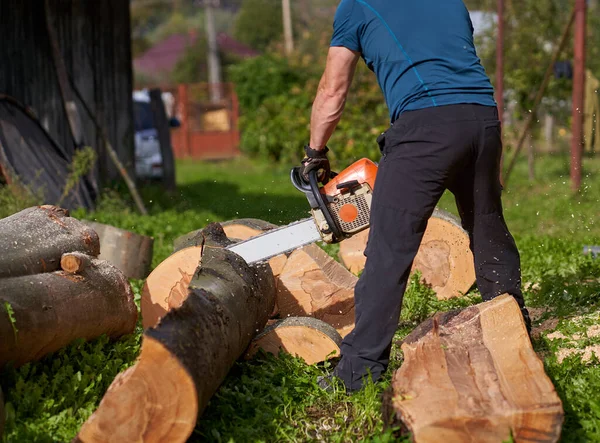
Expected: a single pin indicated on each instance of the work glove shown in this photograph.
(316, 161)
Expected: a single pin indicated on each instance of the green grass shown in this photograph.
(277, 399)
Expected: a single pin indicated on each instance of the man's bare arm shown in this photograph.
(331, 95)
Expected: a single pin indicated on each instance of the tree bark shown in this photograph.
(33, 241)
(241, 229)
(444, 258)
(314, 284)
(130, 252)
(166, 286)
(473, 376)
(75, 262)
(188, 354)
(43, 313)
(312, 340)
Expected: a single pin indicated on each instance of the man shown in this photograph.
(445, 134)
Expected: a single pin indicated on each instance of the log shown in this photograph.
(473, 376)
(128, 251)
(43, 313)
(169, 280)
(166, 286)
(75, 262)
(188, 354)
(240, 229)
(444, 258)
(313, 284)
(33, 241)
(312, 340)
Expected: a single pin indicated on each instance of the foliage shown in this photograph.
(259, 23)
(273, 399)
(82, 163)
(259, 78)
(193, 65)
(276, 121)
(16, 197)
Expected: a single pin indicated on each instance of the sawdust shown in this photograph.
(547, 325)
(557, 335)
(586, 354)
(536, 313)
(593, 331)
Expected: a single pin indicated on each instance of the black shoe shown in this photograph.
(328, 382)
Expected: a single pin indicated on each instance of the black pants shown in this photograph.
(455, 147)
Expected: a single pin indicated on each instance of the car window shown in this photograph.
(142, 116)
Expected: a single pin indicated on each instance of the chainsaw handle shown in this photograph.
(322, 205)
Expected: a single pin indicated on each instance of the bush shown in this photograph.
(276, 98)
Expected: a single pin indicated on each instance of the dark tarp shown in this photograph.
(28, 154)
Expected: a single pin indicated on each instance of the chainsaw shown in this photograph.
(339, 210)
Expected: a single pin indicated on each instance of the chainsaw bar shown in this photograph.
(277, 241)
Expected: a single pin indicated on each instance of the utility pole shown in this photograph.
(578, 93)
(214, 63)
(500, 77)
(287, 26)
(500, 61)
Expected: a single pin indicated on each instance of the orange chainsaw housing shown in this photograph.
(363, 171)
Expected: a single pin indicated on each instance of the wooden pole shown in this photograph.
(539, 96)
(578, 94)
(287, 27)
(214, 63)
(500, 61)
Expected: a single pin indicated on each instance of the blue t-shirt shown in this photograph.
(422, 51)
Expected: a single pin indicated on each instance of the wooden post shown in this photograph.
(500, 61)
(214, 63)
(578, 94)
(287, 27)
(161, 123)
(182, 92)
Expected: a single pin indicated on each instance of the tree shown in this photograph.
(259, 23)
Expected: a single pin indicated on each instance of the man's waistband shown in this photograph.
(447, 114)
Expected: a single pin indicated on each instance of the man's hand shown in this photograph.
(316, 160)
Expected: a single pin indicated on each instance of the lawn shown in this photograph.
(277, 399)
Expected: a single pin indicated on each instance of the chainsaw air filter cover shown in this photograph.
(351, 210)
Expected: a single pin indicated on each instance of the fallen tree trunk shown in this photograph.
(166, 286)
(33, 241)
(187, 355)
(473, 376)
(308, 338)
(42, 313)
(313, 284)
(128, 251)
(444, 258)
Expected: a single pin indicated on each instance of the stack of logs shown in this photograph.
(205, 300)
(53, 289)
(204, 307)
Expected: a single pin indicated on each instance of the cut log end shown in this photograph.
(308, 338)
(444, 258)
(314, 284)
(75, 262)
(167, 286)
(473, 376)
(153, 401)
